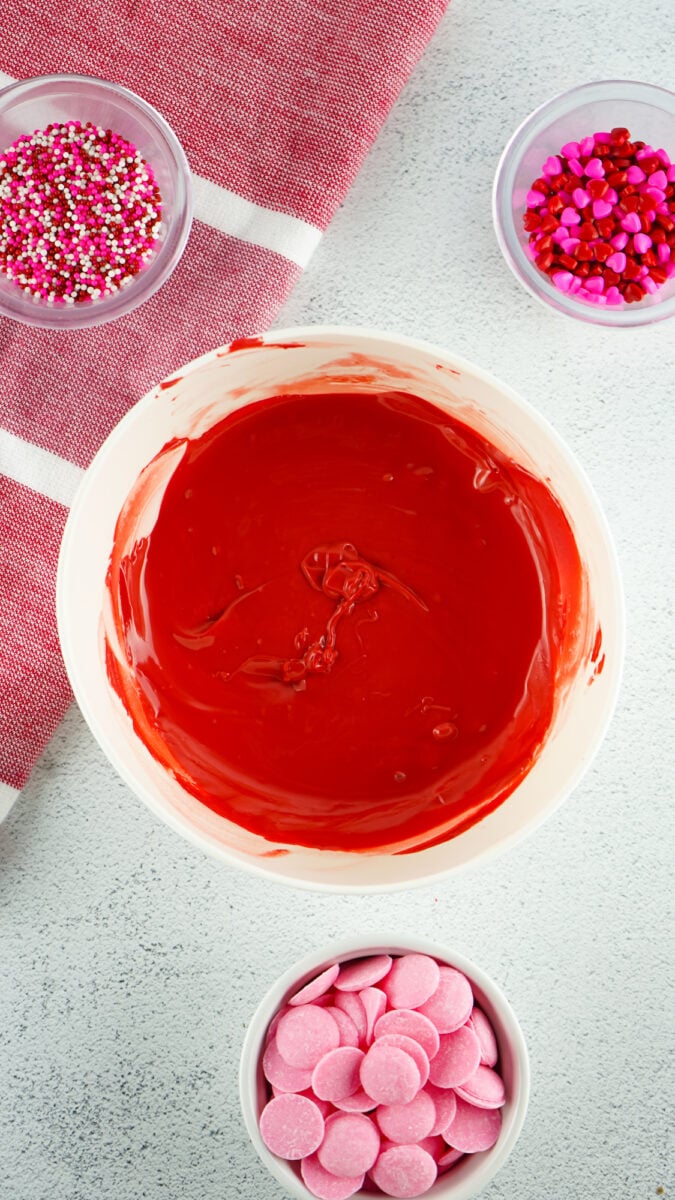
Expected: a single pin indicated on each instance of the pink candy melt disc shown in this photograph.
(305, 1034)
(324, 1185)
(450, 1005)
(413, 978)
(350, 1146)
(364, 972)
(291, 1126)
(457, 1058)
(316, 987)
(404, 1171)
(485, 1089)
(389, 1074)
(473, 1129)
(336, 1075)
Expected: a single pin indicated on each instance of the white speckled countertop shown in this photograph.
(130, 963)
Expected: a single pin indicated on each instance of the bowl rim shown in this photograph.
(487, 1163)
(41, 316)
(629, 317)
(261, 866)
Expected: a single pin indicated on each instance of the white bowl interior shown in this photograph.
(470, 1175)
(311, 360)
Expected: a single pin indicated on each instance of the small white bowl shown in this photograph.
(474, 1171)
(311, 359)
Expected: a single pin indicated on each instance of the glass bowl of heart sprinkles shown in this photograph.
(584, 203)
(95, 201)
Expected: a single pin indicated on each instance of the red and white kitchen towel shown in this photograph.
(276, 103)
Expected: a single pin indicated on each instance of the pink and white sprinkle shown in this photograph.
(80, 213)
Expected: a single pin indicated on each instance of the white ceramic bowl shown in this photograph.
(474, 1171)
(203, 393)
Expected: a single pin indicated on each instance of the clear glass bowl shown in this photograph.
(649, 113)
(35, 103)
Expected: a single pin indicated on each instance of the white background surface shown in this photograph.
(130, 963)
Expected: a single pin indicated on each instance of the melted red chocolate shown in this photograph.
(378, 698)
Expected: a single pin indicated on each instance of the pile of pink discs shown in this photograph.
(382, 1073)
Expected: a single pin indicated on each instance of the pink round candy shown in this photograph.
(336, 1075)
(316, 987)
(291, 1126)
(350, 1145)
(272, 1027)
(412, 1024)
(305, 1034)
(389, 1075)
(282, 1076)
(374, 1003)
(485, 1089)
(473, 1129)
(359, 1102)
(451, 1003)
(362, 973)
(324, 1185)
(489, 1051)
(434, 1146)
(349, 1034)
(352, 1006)
(411, 1047)
(457, 1059)
(406, 1123)
(413, 978)
(404, 1171)
(447, 1159)
(445, 1103)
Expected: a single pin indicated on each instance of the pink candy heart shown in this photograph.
(601, 208)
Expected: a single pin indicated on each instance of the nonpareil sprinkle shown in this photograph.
(80, 212)
(601, 218)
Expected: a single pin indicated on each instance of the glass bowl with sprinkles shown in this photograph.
(584, 203)
(95, 201)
